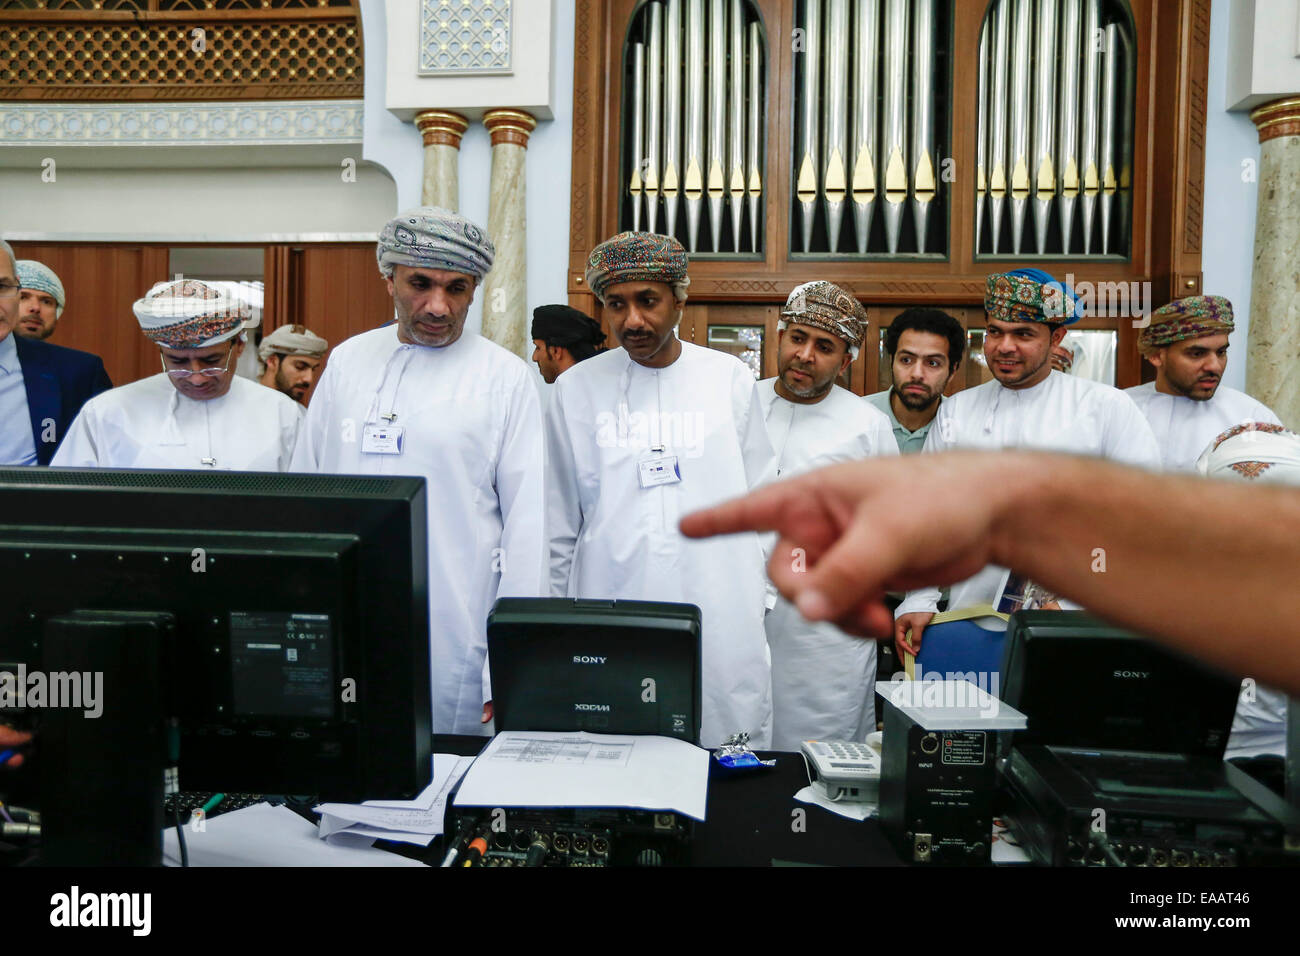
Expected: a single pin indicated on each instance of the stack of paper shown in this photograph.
(415, 821)
(549, 769)
(263, 835)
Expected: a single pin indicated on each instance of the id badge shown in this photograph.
(660, 470)
(382, 439)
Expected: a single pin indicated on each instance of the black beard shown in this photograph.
(908, 403)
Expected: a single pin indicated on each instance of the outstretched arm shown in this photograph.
(1203, 565)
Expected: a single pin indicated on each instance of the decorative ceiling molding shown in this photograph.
(317, 122)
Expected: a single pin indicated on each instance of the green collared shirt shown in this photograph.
(909, 443)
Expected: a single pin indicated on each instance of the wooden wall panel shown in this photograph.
(101, 281)
(335, 290)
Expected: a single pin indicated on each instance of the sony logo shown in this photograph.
(600, 707)
(1133, 675)
(583, 659)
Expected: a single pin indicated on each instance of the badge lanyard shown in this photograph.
(173, 406)
(655, 468)
(386, 439)
(780, 461)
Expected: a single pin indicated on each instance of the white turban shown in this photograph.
(1257, 451)
(189, 314)
(292, 340)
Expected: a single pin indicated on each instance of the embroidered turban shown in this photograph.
(826, 306)
(1030, 295)
(1254, 451)
(189, 314)
(638, 257)
(433, 238)
(1187, 318)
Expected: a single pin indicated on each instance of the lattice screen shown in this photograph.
(170, 5)
(255, 58)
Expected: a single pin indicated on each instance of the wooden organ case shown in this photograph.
(904, 149)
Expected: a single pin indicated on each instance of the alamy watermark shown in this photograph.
(976, 690)
(55, 690)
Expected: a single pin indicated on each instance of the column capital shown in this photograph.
(1278, 118)
(509, 126)
(441, 127)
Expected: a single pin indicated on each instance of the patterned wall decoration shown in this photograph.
(170, 55)
(465, 36)
(154, 6)
(181, 124)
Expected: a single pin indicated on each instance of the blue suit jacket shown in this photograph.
(58, 381)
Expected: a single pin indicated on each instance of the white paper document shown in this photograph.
(845, 808)
(549, 769)
(263, 835)
(415, 821)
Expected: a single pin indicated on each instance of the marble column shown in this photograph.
(442, 131)
(505, 293)
(1273, 359)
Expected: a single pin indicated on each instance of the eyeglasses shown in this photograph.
(9, 289)
(205, 372)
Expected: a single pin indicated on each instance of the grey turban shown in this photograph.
(292, 340)
(431, 238)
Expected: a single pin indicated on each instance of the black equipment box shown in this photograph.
(937, 785)
(1079, 808)
(608, 667)
(577, 837)
(1122, 763)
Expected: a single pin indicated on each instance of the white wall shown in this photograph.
(1228, 237)
(398, 147)
(195, 203)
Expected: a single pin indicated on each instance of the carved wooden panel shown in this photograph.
(179, 51)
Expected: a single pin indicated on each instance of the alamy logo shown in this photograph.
(583, 659)
(74, 908)
(21, 688)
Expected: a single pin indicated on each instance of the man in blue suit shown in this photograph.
(42, 386)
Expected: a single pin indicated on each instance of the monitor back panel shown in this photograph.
(1086, 684)
(613, 667)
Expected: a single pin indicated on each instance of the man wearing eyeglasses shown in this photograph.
(42, 386)
(196, 413)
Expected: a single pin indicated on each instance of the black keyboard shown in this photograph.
(187, 801)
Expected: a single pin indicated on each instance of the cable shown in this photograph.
(180, 837)
(1098, 839)
(458, 845)
(213, 802)
(538, 850)
(5, 813)
(475, 851)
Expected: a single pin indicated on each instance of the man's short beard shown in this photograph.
(904, 398)
(1187, 391)
(812, 391)
(282, 385)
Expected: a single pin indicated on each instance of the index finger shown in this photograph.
(765, 509)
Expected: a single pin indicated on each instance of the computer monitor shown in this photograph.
(293, 611)
(1084, 683)
(612, 667)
